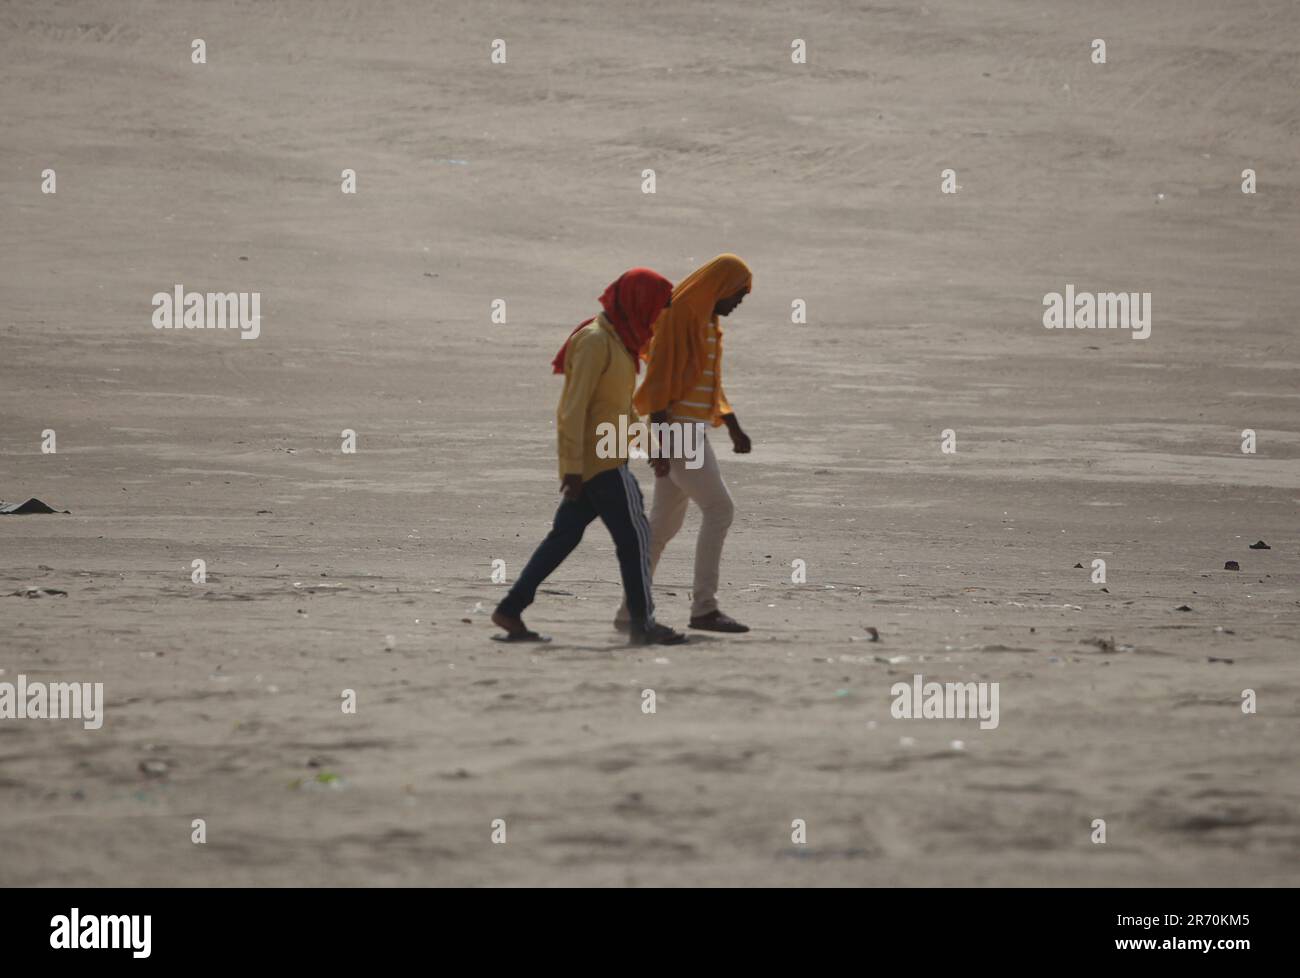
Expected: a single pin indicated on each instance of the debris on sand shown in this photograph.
(1260, 545)
(1232, 565)
(1215, 658)
(154, 768)
(38, 592)
(325, 780)
(1078, 566)
(1183, 607)
(28, 507)
(1107, 645)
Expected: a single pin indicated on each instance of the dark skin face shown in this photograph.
(725, 307)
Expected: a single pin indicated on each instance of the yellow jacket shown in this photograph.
(678, 352)
(599, 376)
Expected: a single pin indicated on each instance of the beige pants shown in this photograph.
(704, 487)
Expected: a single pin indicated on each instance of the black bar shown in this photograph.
(294, 927)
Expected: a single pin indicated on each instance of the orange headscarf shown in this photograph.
(677, 352)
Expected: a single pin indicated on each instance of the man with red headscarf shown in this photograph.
(600, 361)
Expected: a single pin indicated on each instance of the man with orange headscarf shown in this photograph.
(599, 361)
(683, 384)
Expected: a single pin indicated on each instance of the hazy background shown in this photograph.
(522, 181)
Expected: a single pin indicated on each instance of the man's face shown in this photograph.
(725, 307)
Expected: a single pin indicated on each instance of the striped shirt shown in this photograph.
(698, 404)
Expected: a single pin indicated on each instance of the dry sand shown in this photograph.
(522, 181)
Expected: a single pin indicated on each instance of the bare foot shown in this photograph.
(512, 625)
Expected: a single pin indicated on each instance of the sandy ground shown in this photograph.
(522, 181)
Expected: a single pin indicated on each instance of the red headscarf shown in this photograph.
(632, 304)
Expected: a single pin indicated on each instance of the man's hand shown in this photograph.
(571, 486)
(660, 464)
(740, 443)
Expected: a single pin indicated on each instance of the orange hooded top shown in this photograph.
(677, 352)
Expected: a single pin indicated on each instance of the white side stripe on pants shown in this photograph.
(642, 527)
